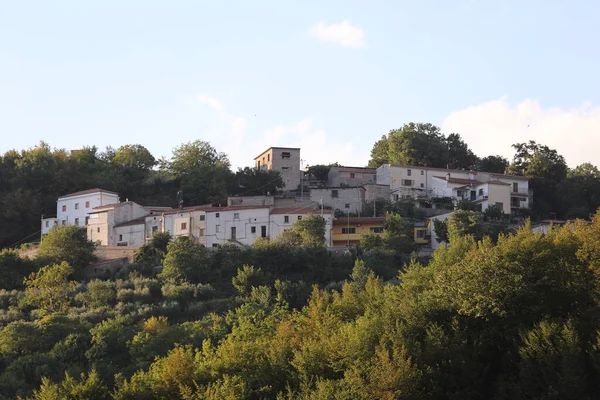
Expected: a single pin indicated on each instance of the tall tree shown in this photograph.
(418, 144)
(255, 182)
(459, 154)
(580, 192)
(495, 164)
(379, 153)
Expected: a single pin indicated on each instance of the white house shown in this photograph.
(189, 222)
(282, 219)
(240, 225)
(104, 220)
(509, 192)
(73, 208)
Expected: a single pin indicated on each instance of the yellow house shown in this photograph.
(348, 231)
(422, 232)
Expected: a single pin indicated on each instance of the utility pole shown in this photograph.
(348, 229)
(321, 207)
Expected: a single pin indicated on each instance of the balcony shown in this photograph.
(521, 191)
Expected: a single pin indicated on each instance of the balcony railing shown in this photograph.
(521, 191)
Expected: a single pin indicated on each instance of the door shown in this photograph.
(263, 231)
(233, 233)
(473, 195)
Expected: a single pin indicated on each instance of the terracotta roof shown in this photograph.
(296, 210)
(461, 181)
(89, 191)
(359, 220)
(137, 221)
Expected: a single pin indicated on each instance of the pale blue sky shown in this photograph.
(76, 73)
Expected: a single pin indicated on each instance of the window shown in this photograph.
(47, 223)
(154, 229)
(217, 215)
(258, 165)
(351, 175)
(87, 204)
(215, 245)
(55, 223)
(77, 206)
(64, 222)
(408, 172)
(348, 231)
(285, 168)
(77, 221)
(218, 228)
(286, 219)
(334, 193)
(377, 229)
(481, 192)
(421, 233)
(515, 187)
(64, 208)
(87, 219)
(299, 217)
(268, 157)
(346, 205)
(422, 185)
(407, 182)
(252, 229)
(202, 217)
(202, 232)
(500, 205)
(184, 226)
(236, 215)
(98, 230)
(422, 173)
(120, 238)
(395, 197)
(285, 154)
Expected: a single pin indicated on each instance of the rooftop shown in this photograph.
(464, 171)
(296, 210)
(89, 191)
(278, 148)
(359, 220)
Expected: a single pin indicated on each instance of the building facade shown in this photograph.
(104, 221)
(348, 231)
(351, 176)
(347, 199)
(285, 160)
(509, 192)
(73, 208)
(240, 225)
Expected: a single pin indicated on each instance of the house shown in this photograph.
(282, 219)
(348, 231)
(189, 222)
(347, 199)
(240, 225)
(120, 224)
(422, 233)
(374, 191)
(509, 192)
(285, 160)
(351, 176)
(73, 208)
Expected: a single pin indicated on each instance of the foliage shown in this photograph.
(495, 164)
(441, 230)
(13, 268)
(50, 288)
(67, 243)
(319, 172)
(311, 230)
(186, 261)
(255, 182)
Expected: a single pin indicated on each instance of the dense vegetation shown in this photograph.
(513, 320)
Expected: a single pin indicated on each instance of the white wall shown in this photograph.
(248, 218)
(133, 235)
(96, 200)
(353, 197)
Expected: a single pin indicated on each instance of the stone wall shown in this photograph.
(113, 252)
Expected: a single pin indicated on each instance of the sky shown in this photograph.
(329, 77)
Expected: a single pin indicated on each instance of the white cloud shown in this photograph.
(344, 34)
(231, 137)
(492, 127)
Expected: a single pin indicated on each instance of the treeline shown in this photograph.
(559, 192)
(519, 319)
(31, 180)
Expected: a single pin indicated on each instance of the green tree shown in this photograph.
(418, 144)
(380, 153)
(13, 268)
(89, 387)
(247, 277)
(580, 191)
(67, 243)
(186, 261)
(255, 182)
(50, 288)
(311, 230)
(134, 156)
(319, 172)
(202, 171)
(462, 223)
(459, 154)
(495, 164)
(371, 241)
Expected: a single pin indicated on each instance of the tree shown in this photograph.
(319, 172)
(459, 154)
(418, 144)
(396, 225)
(371, 241)
(462, 223)
(186, 261)
(202, 171)
(50, 288)
(580, 191)
(379, 153)
(88, 387)
(247, 277)
(67, 243)
(256, 182)
(289, 237)
(495, 164)
(13, 268)
(311, 230)
(134, 156)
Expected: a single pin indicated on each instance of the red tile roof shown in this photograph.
(359, 220)
(89, 191)
(296, 210)
(105, 207)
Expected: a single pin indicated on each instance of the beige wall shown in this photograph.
(288, 167)
(499, 194)
(98, 229)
